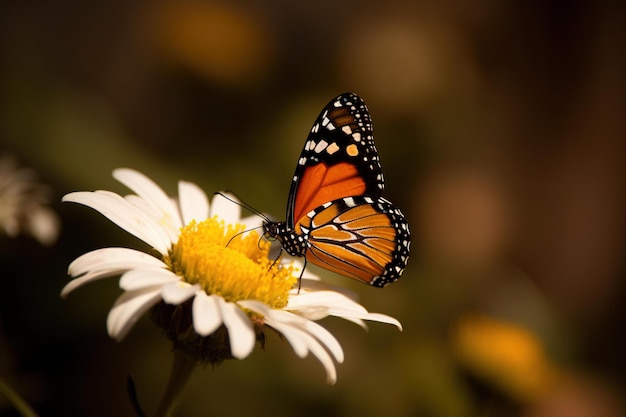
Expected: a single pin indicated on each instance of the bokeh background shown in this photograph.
(501, 131)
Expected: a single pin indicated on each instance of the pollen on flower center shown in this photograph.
(231, 265)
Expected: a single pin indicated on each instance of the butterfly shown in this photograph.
(336, 215)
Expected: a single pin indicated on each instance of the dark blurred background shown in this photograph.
(501, 131)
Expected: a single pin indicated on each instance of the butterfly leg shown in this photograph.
(300, 278)
(280, 253)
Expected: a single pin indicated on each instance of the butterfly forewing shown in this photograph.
(365, 238)
(339, 159)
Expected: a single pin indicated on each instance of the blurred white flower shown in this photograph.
(23, 204)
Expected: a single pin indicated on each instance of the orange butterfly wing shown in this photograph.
(338, 160)
(364, 238)
(321, 183)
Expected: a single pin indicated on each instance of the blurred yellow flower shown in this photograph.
(505, 354)
(220, 42)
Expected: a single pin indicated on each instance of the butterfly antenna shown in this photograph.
(243, 204)
(241, 233)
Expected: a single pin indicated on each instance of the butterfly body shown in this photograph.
(336, 215)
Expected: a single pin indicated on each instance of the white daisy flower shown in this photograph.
(23, 204)
(210, 286)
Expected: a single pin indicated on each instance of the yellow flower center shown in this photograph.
(228, 263)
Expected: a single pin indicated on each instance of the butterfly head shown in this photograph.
(294, 244)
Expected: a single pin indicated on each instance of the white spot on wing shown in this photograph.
(321, 146)
(332, 148)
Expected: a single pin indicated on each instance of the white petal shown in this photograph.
(327, 339)
(122, 213)
(313, 283)
(297, 337)
(381, 318)
(328, 299)
(285, 317)
(322, 355)
(256, 306)
(293, 335)
(240, 330)
(226, 210)
(358, 322)
(79, 282)
(128, 308)
(312, 312)
(206, 313)
(151, 192)
(141, 278)
(303, 335)
(194, 203)
(108, 258)
(314, 305)
(166, 228)
(103, 263)
(178, 292)
(286, 321)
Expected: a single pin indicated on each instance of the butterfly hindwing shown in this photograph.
(339, 158)
(361, 237)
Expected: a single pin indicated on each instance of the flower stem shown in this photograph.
(20, 405)
(182, 369)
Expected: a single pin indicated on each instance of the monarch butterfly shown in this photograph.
(336, 216)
